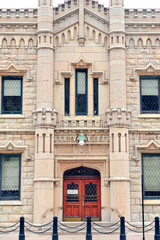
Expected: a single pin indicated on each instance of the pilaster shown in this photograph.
(44, 117)
(118, 117)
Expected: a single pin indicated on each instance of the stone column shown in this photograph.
(118, 117)
(81, 35)
(44, 117)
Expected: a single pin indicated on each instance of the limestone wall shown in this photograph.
(142, 59)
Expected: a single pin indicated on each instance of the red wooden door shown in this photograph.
(81, 199)
(91, 199)
(72, 200)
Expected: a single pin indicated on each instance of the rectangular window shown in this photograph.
(67, 96)
(151, 175)
(95, 96)
(11, 95)
(150, 97)
(81, 92)
(10, 176)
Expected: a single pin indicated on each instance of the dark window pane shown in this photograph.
(150, 103)
(67, 96)
(12, 104)
(81, 92)
(95, 96)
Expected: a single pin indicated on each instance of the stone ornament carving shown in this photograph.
(149, 68)
(118, 117)
(10, 146)
(151, 146)
(44, 117)
(12, 68)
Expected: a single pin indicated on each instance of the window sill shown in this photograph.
(11, 116)
(151, 202)
(10, 203)
(149, 116)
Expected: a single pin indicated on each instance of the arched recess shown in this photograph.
(30, 43)
(13, 42)
(21, 42)
(140, 43)
(131, 43)
(4, 42)
(81, 194)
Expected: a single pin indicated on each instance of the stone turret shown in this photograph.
(118, 117)
(44, 116)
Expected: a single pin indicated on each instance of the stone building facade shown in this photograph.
(80, 113)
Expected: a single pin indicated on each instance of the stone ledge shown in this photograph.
(11, 116)
(11, 203)
(149, 116)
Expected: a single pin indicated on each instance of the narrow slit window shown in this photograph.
(117, 39)
(37, 143)
(67, 96)
(119, 142)
(112, 142)
(95, 96)
(112, 40)
(50, 143)
(44, 139)
(126, 142)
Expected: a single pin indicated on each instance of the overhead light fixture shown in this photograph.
(81, 139)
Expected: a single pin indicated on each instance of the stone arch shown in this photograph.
(149, 43)
(30, 43)
(157, 42)
(13, 42)
(81, 171)
(4, 42)
(66, 167)
(21, 42)
(82, 182)
(140, 43)
(131, 43)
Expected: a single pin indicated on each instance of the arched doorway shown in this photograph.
(81, 194)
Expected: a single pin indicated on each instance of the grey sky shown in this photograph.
(33, 3)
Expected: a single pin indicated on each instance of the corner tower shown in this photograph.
(44, 116)
(118, 116)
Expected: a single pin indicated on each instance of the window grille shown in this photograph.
(150, 98)
(81, 92)
(151, 175)
(67, 96)
(90, 192)
(95, 96)
(10, 176)
(82, 171)
(11, 95)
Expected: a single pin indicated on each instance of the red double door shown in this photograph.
(82, 198)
